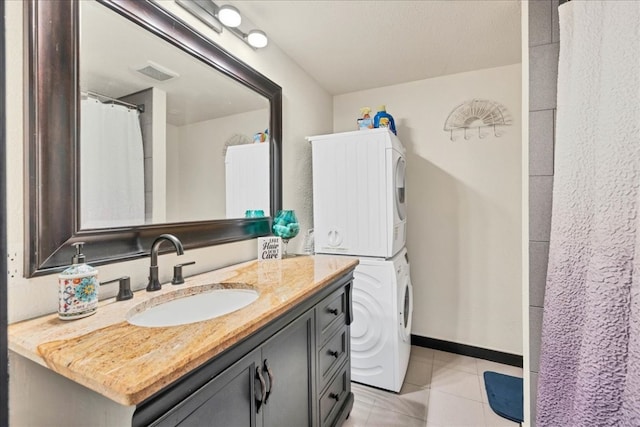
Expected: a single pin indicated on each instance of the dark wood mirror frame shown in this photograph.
(52, 220)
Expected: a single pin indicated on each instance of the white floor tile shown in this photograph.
(447, 410)
(491, 419)
(359, 415)
(486, 365)
(440, 390)
(483, 389)
(364, 394)
(422, 354)
(412, 401)
(418, 373)
(456, 361)
(381, 417)
(459, 383)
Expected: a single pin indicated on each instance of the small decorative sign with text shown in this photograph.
(269, 248)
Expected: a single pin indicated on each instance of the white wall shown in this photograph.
(307, 110)
(173, 174)
(464, 206)
(159, 159)
(200, 164)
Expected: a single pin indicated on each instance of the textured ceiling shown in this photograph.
(354, 45)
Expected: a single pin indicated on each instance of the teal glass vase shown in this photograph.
(285, 226)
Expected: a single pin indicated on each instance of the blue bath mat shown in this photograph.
(505, 395)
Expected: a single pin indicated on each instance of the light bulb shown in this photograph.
(257, 38)
(229, 16)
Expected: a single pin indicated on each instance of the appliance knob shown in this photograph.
(334, 238)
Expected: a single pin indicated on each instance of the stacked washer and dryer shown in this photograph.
(359, 210)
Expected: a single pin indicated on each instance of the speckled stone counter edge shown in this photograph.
(128, 363)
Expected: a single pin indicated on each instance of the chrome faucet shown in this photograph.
(154, 283)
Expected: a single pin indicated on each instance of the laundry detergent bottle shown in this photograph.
(383, 119)
(77, 288)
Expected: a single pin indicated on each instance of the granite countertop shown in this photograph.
(128, 363)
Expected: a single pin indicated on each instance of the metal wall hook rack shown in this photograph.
(477, 113)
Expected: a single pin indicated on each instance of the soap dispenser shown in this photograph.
(77, 288)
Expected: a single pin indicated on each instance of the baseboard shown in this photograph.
(467, 350)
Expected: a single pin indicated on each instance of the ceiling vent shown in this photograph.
(156, 72)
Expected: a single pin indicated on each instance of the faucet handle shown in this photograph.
(124, 292)
(177, 273)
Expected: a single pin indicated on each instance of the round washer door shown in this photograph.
(399, 187)
(406, 310)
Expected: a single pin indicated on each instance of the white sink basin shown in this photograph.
(194, 308)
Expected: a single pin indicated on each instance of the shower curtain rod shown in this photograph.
(140, 107)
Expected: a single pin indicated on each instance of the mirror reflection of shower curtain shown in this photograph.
(112, 166)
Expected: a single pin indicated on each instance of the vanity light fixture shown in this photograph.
(257, 39)
(225, 16)
(205, 11)
(229, 16)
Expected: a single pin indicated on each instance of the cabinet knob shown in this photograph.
(335, 396)
(333, 311)
(334, 353)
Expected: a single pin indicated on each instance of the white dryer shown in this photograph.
(381, 328)
(359, 193)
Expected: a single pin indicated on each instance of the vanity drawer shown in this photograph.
(332, 355)
(334, 396)
(330, 313)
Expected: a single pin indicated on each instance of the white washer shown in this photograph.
(381, 328)
(359, 193)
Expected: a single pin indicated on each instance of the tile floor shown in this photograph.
(440, 390)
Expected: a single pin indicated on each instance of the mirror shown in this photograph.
(72, 68)
(163, 138)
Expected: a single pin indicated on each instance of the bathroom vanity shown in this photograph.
(281, 360)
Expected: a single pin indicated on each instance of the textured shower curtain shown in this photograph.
(590, 359)
(112, 171)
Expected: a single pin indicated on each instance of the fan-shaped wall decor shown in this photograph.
(477, 113)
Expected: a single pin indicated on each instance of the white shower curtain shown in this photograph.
(590, 358)
(112, 166)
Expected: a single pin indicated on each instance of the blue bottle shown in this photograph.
(383, 119)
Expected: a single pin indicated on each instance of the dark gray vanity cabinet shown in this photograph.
(224, 401)
(288, 361)
(333, 315)
(269, 387)
(297, 375)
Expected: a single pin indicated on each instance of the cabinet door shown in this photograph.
(290, 359)
(349, 176)
(229, 400)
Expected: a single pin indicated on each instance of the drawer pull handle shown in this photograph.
(333, 311)
(271, 381)
(349, 298)
(334, 353)
(263, 390)
(335, 396)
